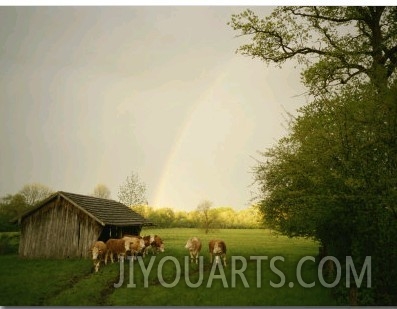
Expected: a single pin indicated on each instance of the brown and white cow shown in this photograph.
(135, 244)
(98, 250)
(218, 248)
(194, 247)
(148, 239)
(153, 243)
(157, 245)
(117, 247)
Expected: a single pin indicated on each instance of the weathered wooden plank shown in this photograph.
(58, 231)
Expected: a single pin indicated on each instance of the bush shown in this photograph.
(9, 243)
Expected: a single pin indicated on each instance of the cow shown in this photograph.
(147, 240)
(118, 247)
(136, 244)
(194, 247)
(154, 243)
(157, 245)
(218, 248)
(98, 250)
(148, 244)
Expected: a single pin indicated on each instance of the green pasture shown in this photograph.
(72, 282)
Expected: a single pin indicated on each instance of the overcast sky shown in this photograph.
(90, 94)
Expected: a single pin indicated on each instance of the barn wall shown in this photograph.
(58, 230)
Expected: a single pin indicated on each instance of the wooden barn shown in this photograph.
(67, 224)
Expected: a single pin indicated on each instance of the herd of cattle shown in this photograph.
(137, 245)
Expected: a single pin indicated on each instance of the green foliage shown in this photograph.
(11, 206)
(163, 217)
(9, 242)
(222, 217)
(206, 216)
(334, 178)
(337, 45)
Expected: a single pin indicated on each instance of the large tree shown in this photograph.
(337, 45)
(133, 191)
(334, 176)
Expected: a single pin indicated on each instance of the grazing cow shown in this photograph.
(217, 248)
(194, 247)
(157, 244)
(99, 250)
(118, 247)
(153, 243)
(136, 244)
(148, 244)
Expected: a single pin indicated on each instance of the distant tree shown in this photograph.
(133, 191)
(163, 217)
(101, 191)
(143, 210)
(225, 217)
(11, 206)
(206, 215)
(35, 193)
(251, 217)
(182, 219)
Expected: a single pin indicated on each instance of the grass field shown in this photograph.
(72, 282)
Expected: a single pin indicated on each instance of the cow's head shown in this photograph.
(188, 244)
(141, 244)
(218, 248)
(161, 247)
(95, 253)
(96, 265)
(127, 245)
(151, 239)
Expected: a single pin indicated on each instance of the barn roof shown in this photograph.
(106, 212)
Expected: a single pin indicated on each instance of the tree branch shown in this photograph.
(322, 17)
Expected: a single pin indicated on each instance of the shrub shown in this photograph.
(9, 243)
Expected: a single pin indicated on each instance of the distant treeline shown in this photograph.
(207, 217)
(215, 218)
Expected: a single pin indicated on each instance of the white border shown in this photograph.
(243, 3)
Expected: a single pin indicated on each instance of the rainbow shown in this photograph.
(160, 195)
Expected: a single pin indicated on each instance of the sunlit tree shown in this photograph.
(206, 215)
(35, 193)
(133, 191)
(101, 191)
